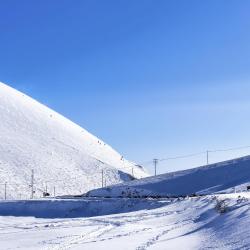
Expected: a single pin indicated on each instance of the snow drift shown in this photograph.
(228, 176)
(65, 157)
(166, 224)
(74, 208)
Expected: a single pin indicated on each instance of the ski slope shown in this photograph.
(227, 177)
(184, 224)
(66, 159)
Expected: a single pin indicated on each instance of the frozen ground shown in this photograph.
(191, 223)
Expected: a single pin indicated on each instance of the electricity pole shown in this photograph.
(32, 183)
(102, 178)
(5, 190)
(155, 161)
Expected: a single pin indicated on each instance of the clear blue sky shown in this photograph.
(151, 78)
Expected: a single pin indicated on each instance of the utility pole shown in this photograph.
(155, 161)
(133, 171)
(5, 190)
(54, 191)
(207, 157)
(32, 183)
(102, 178)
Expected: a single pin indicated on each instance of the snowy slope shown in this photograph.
(62, 154)
(220, 177)
(191, 223)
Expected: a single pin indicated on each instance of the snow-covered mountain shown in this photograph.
(65, 157)
(226, 177)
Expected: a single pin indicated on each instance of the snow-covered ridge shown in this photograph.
(62, 154)
(228, 176)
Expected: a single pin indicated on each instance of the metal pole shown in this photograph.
(155, 161)
(102, 178)
(133, 171)
(207, 157)
(54, 191)
(5, 190)
(32, 183)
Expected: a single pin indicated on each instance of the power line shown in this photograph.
(201, 153)
(228, 149)
(182, 156)
(103, 169)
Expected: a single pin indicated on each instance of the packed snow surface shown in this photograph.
(165, 224)
(66, 159)
(228, 176)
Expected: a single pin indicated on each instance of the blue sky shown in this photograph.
(151, 78)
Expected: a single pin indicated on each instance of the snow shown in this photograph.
(62, 154)
(63, 208)
(67, 157)
(223, 177)
(190, 223)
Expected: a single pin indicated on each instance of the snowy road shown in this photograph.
(188, 224)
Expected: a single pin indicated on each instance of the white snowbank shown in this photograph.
(70, 208)
(228, 176)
